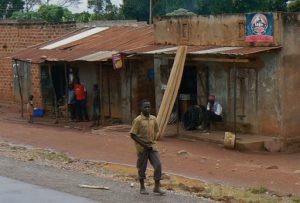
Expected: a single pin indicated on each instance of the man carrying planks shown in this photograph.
(144, 132)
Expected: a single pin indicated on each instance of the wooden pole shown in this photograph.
(67, 92)
(20, 88)
(109, 94)
(53, 92)
(151, 12)
(234, 97)
(101, 92)
(178, 119)
(130, 72)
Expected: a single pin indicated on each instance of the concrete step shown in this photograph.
(244, 142)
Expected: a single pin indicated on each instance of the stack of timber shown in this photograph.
(171, 92)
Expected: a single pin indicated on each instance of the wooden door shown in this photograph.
(112, 107)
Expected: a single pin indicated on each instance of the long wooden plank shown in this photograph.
(166, 98)
(169, 94)
(175, 90)
(171, 90)
(170, 85)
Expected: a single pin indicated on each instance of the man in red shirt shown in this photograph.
(80, 97)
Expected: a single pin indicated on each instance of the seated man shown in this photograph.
(213, 112)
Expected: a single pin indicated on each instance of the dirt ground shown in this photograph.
(201, 160)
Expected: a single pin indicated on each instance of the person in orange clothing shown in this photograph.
(80, 97)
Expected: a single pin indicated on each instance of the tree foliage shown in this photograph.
(139, 9)
(62, 3)
(30, 4)
(240, 6)
(20, 15)
(83, 17)
(294, 6)
(136, 9)
(51, 13)
(7, 7)
(181, 12)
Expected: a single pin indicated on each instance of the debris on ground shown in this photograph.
(94, 187)
(182, 152)
(114, 128)
(297, 171)
(272, 167)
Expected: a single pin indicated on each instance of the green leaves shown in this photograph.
(139, 9)
(294, 6)
(7, 7)
(51, 13)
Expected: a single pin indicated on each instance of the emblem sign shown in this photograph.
(118, 60)
(259, 27)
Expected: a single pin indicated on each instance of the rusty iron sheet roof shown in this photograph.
(94, 44)
(115, 39)
(217, 50)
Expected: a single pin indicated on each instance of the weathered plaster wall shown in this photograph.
(145, 88)
(222, 78)
(161, 66)
(221, 30)
(126, 93)
(218, 86)
(269, 114)
(289, 76)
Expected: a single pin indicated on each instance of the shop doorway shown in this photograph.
(188, 89)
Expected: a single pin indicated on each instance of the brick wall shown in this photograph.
(16, 36)
(36, 84)
(6, 81)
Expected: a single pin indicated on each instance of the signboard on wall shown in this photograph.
(118, 61)
(259, 27)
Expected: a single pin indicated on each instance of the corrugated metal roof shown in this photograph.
(216, 50)
(99, 56)
(99, 44)
(76, 37)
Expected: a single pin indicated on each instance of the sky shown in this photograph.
(83, 6)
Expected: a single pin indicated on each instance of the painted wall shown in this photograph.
(257, 95)
(269, 114)
(221, 30)
(289, 76)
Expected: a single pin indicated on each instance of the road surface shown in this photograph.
(26, 182)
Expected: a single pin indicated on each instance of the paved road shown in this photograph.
(14, 191)
(55, 185)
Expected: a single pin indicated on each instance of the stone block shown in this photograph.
(275, 145)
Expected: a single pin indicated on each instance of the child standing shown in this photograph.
(30, 108)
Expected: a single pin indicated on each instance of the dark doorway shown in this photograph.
(59, 80)
(59, 83)
(188, 89)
